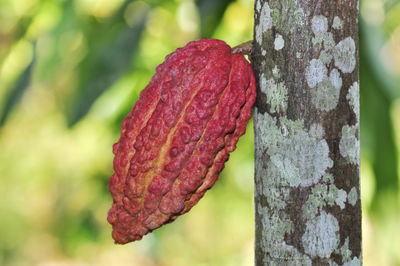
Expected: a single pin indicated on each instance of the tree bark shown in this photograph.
(306, 124)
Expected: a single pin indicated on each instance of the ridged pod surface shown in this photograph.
(178, 136)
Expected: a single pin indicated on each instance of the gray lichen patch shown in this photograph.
(325, 57)
(315, 202)
(302, 161)
(319, 24)
(317, 131)
(344, 251)
(344, 55)
(323, 39)
(353, 97)
(276, 73)
(287, 15)
(293, 127)
(279, 42)
(316, 72)
(276, 196)
(321, 196)
(267, 125)
(337, 23)
(270, 222)
(328, 178)
(349, 144)
(325, 96)
(341, 198)
(277, 94)
(275, 227)
(263, 52)
(321, 236)
(354, 262)
(335, 79)
(258, 5)
(329, 42)
(265, 21)
(353, 196)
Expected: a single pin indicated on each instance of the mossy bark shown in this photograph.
(306, 124)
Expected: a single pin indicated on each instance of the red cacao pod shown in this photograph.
(178, 136)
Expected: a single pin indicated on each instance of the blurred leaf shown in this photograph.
(211, 13)
(75, 229)
(376, 128)
(392, 20)
(142, 78)
(111, 47)
(17, 92)
(372, 40)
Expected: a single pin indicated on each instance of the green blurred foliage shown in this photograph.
(70, 71)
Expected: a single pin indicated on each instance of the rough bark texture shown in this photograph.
(305, 60)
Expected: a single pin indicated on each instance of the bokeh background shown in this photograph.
(70, 71)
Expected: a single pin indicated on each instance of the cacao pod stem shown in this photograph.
(243, 48)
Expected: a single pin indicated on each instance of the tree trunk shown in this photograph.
(306, 124)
